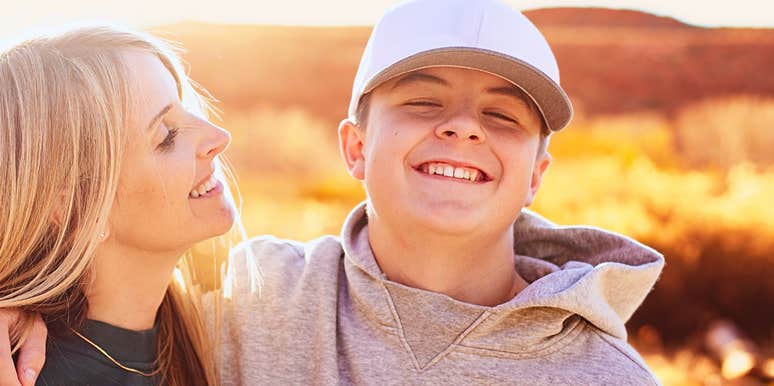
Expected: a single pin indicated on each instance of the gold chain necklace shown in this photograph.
(101, 350)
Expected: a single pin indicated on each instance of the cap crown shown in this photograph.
(425, 26)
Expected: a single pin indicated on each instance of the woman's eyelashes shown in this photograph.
(169, 140)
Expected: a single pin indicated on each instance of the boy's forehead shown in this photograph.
(451, 77)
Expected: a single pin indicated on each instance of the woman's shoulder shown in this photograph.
(71, 361)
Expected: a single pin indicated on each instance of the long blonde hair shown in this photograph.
(64, 103)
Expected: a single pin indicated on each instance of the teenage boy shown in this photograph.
(441, 276)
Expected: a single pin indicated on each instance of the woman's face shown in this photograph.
(168, 195)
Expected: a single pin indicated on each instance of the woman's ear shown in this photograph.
(104, 233)
(351, 141)
(58, 216)
(59, 211)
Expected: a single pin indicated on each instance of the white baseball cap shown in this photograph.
(484, 35)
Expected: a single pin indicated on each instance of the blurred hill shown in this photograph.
(647, 62)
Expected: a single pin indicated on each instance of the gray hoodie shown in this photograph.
(324, 313)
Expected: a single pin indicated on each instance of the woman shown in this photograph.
(109, 175)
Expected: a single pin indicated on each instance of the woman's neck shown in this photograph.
(128, 285)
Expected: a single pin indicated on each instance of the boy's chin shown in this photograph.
(464, 221)
(450, 222)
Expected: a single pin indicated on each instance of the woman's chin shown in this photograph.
(223, 223)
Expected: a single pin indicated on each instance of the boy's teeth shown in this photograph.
(450, 171)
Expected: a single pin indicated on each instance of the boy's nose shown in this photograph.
(463, 126)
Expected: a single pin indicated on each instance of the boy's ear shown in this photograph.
(351, 140)
(541, 164)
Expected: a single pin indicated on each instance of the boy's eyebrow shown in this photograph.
(511, 91)
(419, 77)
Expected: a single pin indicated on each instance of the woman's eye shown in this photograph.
(169, 140)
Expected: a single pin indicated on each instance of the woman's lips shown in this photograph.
(207, 189)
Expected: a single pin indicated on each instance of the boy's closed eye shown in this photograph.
(503, 118)
(423, 103)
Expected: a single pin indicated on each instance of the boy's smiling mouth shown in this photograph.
(447, 170)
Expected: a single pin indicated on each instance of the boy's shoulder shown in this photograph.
(271, 262)
(584, 354)
(623, 364)
(270, 248)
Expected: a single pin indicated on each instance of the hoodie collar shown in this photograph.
(598, 275)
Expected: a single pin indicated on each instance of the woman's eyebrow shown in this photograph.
(158, 116)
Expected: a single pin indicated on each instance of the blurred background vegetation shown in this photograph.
(672, 144)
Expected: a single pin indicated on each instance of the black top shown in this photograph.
(72, 361)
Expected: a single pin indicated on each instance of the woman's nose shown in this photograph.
(215, 141)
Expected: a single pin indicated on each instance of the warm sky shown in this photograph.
(23, 16)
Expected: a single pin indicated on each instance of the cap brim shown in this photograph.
(550, 99)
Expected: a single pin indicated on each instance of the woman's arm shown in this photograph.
(32, 353)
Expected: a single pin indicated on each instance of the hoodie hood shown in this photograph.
(574, 273)
(599, 275)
